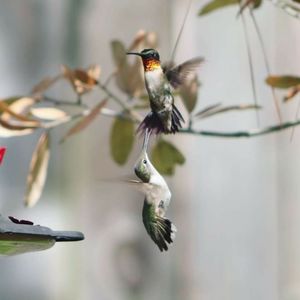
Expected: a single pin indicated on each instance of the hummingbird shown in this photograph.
(164, 116)
(157, 199)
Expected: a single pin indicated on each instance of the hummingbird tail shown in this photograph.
(162, 232)
(154, 124)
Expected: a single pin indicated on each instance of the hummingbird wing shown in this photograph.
(177, 75)
(161, 230)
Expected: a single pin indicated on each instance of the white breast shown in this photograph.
(154, 79)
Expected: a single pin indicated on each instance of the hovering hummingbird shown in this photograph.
(164, 116)
(157, 199)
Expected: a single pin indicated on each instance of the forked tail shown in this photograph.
(154, 124)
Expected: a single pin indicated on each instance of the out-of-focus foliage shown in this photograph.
(283, 82)
(37, 171)
(292, 83)
(86, 120)
(215, 5)
(121, 140)
(165, 156)
(218, 4)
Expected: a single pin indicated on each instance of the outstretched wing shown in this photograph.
(161, 230)
(177, 75)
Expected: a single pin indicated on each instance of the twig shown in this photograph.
(267, 65)
(63, 102)
(239, 134)
(126, 107)
(250, 62)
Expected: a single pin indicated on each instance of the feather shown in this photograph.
(177, 75)
(161, 230)
(154, 124)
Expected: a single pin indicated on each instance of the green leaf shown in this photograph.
(121, 140)
(165, 156)
(216, 4)
(283, 82)
(189, 93)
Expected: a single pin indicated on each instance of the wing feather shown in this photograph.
(177, 75)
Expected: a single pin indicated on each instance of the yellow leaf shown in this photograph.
(37, 171)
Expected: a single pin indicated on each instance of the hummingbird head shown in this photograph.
(142, 168)
(150, 57)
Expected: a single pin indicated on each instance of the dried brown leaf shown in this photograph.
(85, 121)
(48, 113)
(19, 107)
(37, 171)
(82, 81)
(9, 112)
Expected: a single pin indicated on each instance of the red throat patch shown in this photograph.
(151, 64)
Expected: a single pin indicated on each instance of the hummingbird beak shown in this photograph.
(134, 53)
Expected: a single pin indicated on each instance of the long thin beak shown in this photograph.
(134, 53)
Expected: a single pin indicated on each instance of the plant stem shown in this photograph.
(239, 134)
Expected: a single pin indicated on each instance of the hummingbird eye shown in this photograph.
(144, 161)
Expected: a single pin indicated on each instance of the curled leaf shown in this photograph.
(86, 120)
(292, 93)
(283, 82)
(37, 171)
(82, 81)
(215, 5)
(189, 92)
(121, 140)
(48, 113)
(217, 109)
(17, 110)
(165, 156)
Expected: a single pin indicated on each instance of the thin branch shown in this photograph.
(240, 134)
(250, 62)
(180, 31)
(62, 102)
(126, 107)
(267, 65)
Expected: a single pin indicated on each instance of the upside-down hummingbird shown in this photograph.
(157, 199)
(164, 116)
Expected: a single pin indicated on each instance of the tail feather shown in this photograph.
(154, 124)
(161, 230)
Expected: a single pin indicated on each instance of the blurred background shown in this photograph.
(235, 201)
